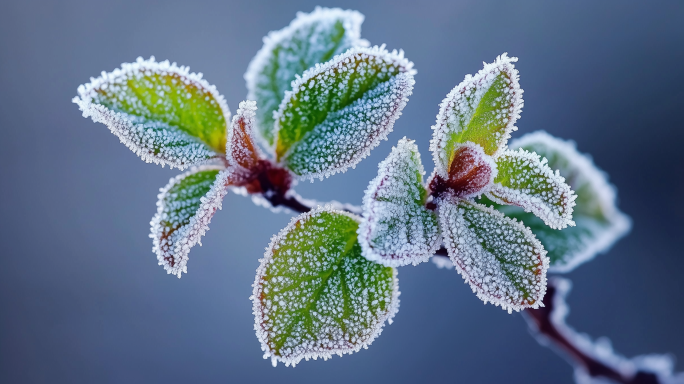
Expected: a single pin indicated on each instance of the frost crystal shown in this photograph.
(396, 228)
(163, 113)
(310, 39)
(242, 153)
(499, 257)
(315, 295)
(528, 182)
(482, 109)
(338, 111)
(184, 210)
(662, 366)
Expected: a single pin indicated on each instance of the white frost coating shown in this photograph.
(172, 251)
(306, 37)
(581, 173)
(514, 275)
(349, 134)
(154, 142)
(323, 345)
(601, 349)
(242, 151)
(442, 262)
(532, 185)
(457, 109)
(396, 228)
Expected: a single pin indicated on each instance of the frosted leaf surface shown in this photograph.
(340, 110)
(311, 38)
(162, 112)
(471, 172)
(482, 109)
(499, 257)
(184, 210)
(396, 228)
(599, 223)
(242, 152)
(315, 295)
(526, 181)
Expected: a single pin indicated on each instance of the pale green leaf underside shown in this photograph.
(526, 181)
(162, 112)
(598, 221)
(184, 210)
(482, 109)
(396, 228)
(501, 259)
(315, 295)
(339, 111)
(310, 39)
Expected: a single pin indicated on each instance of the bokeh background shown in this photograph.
(82, 299)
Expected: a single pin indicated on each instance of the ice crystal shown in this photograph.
(599, 223)
(242, 152)
(315, 295)
(162, 112)
(482, 109)
(601, 350)
(184, 210)
(499, 257)
(338, 111)
(528, 182)
(396, 228)
(471, 172)
(311, 38)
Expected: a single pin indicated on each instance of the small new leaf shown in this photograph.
(482, 109)
(242, 154)
(163, 113)
(499, 257)
(396, 228)
(315, 295)
(184, 210)
(471, 172)
(310, 39)
(599, 223)
(338, 111)
(526, 181)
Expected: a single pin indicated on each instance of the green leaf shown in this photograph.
(499, 257)
(315, 295)
(338, 111)
(184, 210)
(163, 113)
(396, 228)
(599, 223)
(482, 109)
(526, 181)
(310, 39)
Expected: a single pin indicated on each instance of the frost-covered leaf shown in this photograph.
(599, 223)
(242, 153)
(340, 110)
(499, 257)
(526, 181)
(396, 228)
(482, 109)
(184, 210)
(310, 39)
(471, 172)
(163, 113)
(315, 295)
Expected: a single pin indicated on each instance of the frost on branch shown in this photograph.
(315, 295)
(163, 113)
(396, 228)
(482, 109)
(310, 39)
(338, 111)
(499, 257)
(184, 210)
(599, 223)
(471, 172)
(595, 362)
(526, 181)
(242, 153)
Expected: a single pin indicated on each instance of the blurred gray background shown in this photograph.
(82, 299)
